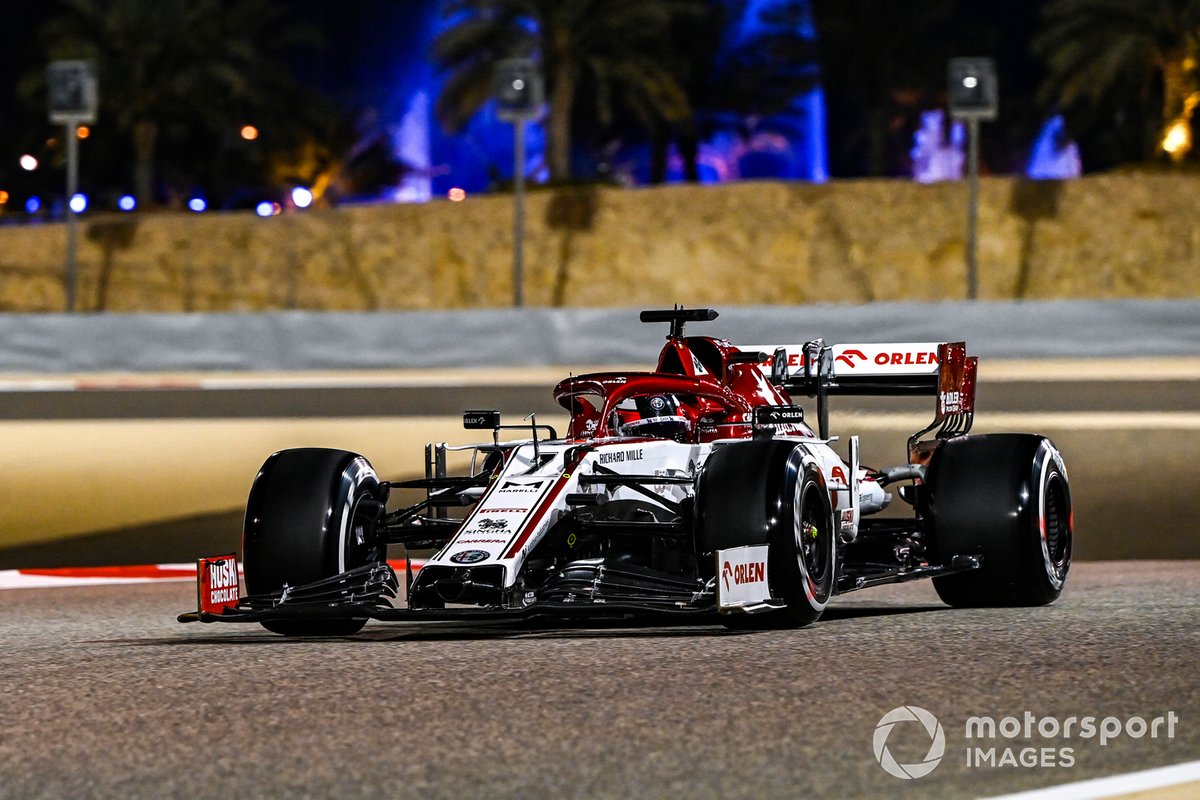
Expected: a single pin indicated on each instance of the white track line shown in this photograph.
(15, 579)
(67, 577)
(1114, 786)
(37, 579)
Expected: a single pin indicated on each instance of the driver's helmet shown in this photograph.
(660, 416)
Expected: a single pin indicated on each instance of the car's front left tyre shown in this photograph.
(306, 520)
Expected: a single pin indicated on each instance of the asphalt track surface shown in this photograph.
(107, 696)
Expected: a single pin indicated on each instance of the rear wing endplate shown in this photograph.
(943, 370)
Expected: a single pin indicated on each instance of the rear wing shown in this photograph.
(943, 370)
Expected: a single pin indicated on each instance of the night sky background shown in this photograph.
(881, 64)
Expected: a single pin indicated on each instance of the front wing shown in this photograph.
(367, 592)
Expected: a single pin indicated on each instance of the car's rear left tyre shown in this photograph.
(305, 521)
(770, 493)
(1004, 498)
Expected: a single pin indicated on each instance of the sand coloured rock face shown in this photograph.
(1106, 236)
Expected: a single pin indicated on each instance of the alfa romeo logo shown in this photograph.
(937, 746)
(469, 556)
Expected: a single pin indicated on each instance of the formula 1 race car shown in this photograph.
(698, 490)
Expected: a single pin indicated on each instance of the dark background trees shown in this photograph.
(180, 78)
(883, 63)
(608, 53)
(1111, 64)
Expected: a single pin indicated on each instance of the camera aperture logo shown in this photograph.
(937, 742)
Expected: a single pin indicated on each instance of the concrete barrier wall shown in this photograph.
(50, 343)
(1109, 236)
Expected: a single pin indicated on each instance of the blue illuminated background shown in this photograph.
(791, 145)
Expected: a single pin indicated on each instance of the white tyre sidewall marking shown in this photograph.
(798, 537)
(1050, 469)
(359, 471)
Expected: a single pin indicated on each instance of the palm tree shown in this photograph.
(762, 72)
(177, 65)
(875, 55)
(610, 46)
(734, 72)
(1093, 47)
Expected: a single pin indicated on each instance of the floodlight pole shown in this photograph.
(518, 90)
(974, 95)
(69, 276)
(72, 100)
(972, 207)
(518, 210)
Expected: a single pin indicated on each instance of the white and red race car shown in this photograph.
(696, 491)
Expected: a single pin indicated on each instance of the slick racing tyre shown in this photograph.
(771, 493)
(1003, 497)
(303, 524)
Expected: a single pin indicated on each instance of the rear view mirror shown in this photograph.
(481, 420)
(751, 357)
(778, 415)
